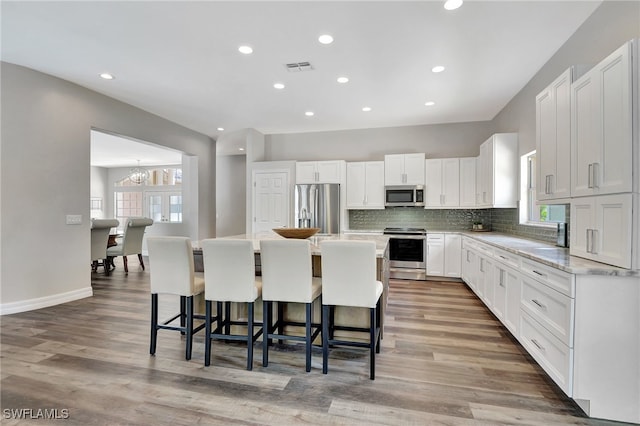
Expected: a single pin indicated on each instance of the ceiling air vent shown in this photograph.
(298, 66)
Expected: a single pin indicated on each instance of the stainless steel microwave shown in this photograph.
(404, 196)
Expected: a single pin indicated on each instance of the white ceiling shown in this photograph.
(109, 150)
(180, 59)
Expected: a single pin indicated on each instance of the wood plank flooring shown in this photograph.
(445, 360)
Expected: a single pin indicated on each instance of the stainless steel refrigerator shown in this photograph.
(318, 206)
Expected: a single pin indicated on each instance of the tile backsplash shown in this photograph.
(500, 220)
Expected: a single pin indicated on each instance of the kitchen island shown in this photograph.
(344, 316)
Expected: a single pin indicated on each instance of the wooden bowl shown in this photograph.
(296, 232)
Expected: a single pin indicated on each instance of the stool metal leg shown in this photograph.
(266, 324)
(372, 344)
(250, 337)
(325, 338)
(207, 338)
(154, 323)
(189, 320)
(308, 336)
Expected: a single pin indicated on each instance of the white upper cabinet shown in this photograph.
(442, 183)
(602, 228)
(319, 171)
(468, 182)
(404, 169)
(601, 127)
(365, 185)
(497, 172)
(553, 139)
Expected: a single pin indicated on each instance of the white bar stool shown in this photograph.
(349, 279)
(287, 276)
(230, 276)
(172, 272)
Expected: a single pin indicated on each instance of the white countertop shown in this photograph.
(548, 254)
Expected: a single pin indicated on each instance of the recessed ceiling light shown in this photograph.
(343, 79)
(278, 86)
(430, 103)
(325, 39)
(107, 76)
(221, 129)
(452, 4)
(309, 113)
(245, 49)
(366, 109)
(438, 68)
(241, 149)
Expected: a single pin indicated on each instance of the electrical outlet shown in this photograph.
(74, 219)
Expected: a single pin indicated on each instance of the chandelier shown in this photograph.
(138, 175)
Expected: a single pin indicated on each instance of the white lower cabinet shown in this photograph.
(583, 330)
(444, 255)
(435, 255)
(554, 357)
(506, 296)
(452, 255)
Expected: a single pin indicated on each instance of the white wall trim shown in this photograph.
(44, 302)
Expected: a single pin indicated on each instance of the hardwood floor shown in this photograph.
(444, 360)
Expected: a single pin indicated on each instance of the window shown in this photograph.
(530, 212)
(164, 206)
(127, 204)
(160, 197)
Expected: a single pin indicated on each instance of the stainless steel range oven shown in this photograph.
(407, 253)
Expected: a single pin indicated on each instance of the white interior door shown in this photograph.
(271, 200)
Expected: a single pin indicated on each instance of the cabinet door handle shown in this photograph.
(594, 235)
(539, 304)
(538, 345)
(594, 179)
(501, 278)
(546, 184)
(590, 176)
(481, 265)
(589, 240)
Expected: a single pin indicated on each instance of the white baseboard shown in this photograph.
(44, 302)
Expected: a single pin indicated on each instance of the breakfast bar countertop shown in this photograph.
(380, 240)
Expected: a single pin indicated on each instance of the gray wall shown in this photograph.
(612, 24)
(437, 141)
(45, 175)
(231, 204)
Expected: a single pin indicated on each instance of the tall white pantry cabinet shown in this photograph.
(604, 159)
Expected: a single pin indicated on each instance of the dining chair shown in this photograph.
(287, 278)
(230, 276)
(349, 279)
(99, 239)
(131, 242)
(172, 272)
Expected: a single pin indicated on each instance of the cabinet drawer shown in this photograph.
(485, 250)
(550, 308)
(554, 278)
(435, 237)
(554, 357)
(507, 258)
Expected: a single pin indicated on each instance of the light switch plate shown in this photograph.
(74, 219)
